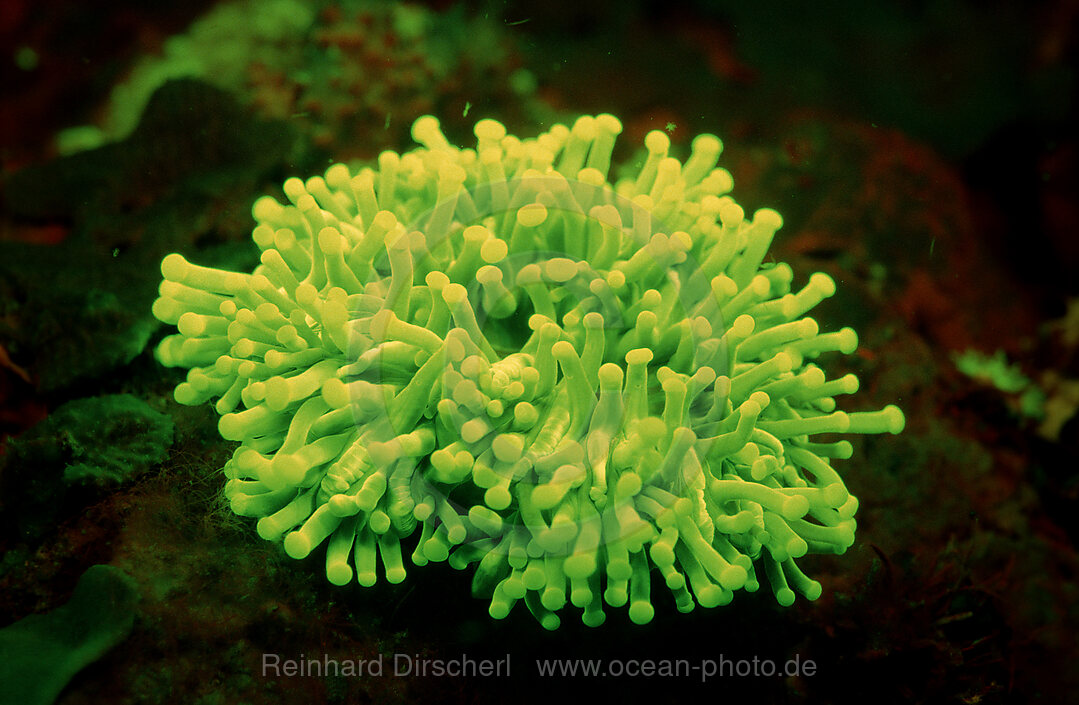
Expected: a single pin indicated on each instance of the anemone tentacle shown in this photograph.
(502, 358)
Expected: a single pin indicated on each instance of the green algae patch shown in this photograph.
(85, 447)
(103, 441)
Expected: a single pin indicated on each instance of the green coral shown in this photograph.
(568, 383)
(40, 653)
(995, 370)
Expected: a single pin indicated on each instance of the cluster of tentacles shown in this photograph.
(570, 384)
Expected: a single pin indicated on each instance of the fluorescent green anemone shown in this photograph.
(567, 383)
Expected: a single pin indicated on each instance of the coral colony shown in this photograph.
(566, 381)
